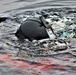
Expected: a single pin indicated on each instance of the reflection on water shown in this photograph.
(63, 63)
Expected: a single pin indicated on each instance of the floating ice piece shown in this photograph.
(48, 20)
(60, 45)
(64, 34)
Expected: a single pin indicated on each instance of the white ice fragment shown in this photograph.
(49, 21)
(42, 40)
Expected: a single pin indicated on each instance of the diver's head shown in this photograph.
(32, 28)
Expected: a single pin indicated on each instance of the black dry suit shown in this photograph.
(32, 28)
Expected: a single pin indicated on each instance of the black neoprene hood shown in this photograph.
(32, 28)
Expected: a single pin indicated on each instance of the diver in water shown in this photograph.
(37, 29)
(33, 28)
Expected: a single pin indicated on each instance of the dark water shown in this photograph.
(63, 63)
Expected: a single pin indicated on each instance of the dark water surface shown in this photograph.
(63, 63)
